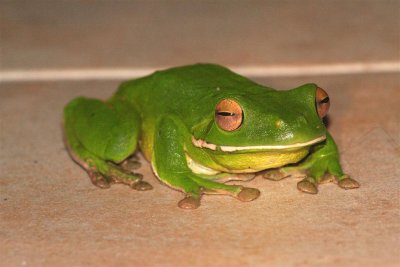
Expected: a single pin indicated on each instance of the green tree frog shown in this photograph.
(201, 126)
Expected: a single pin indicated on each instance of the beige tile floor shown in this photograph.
(50, 213)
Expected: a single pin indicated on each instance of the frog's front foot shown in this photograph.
(248, 194)
(189, 202)
(142, 186)
(308, 185)
(244, 194)
(346, 182)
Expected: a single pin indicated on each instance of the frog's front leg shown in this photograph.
(170, 165)
(321, 165)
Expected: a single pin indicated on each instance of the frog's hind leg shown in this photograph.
(100, 135)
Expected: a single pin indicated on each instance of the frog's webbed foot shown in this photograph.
(110, 174)
(104, 173)
(142, 186)
(275, 174)
(248, 194)
(244, 194)
(98, 179)
(308, 185)
(323, 166)
(134, 180)
(196, 187)
(189, 202)
(130, 164)
(126, 174)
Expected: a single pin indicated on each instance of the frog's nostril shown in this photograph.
(303, 119)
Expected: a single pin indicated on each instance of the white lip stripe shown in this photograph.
(252, 71)
(202, 143)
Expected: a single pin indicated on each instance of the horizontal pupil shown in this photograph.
(223, 113)
(325, 100)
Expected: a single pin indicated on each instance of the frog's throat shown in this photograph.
(203, 144)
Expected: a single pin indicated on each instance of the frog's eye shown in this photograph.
(228, 115)
(322, 102)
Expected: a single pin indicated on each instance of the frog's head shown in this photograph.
(263, 129)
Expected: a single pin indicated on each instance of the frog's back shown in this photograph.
(184, 90)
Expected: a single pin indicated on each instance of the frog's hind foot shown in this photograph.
(134, 180)
(103, 174)
(130, 164)
(98, 179)
(114, 175)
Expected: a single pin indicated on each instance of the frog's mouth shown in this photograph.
(204, 144)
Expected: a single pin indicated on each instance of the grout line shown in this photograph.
(252, 71)
(322, 69)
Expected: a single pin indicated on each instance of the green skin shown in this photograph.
(170, 115)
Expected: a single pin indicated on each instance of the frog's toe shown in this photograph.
(275, 175)
(348, 183)
(99, 180)
(142, 186)
(248, 194)
(327, 178)
(189, 202)
(307, 186)
(245, 177)
(131, 164)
